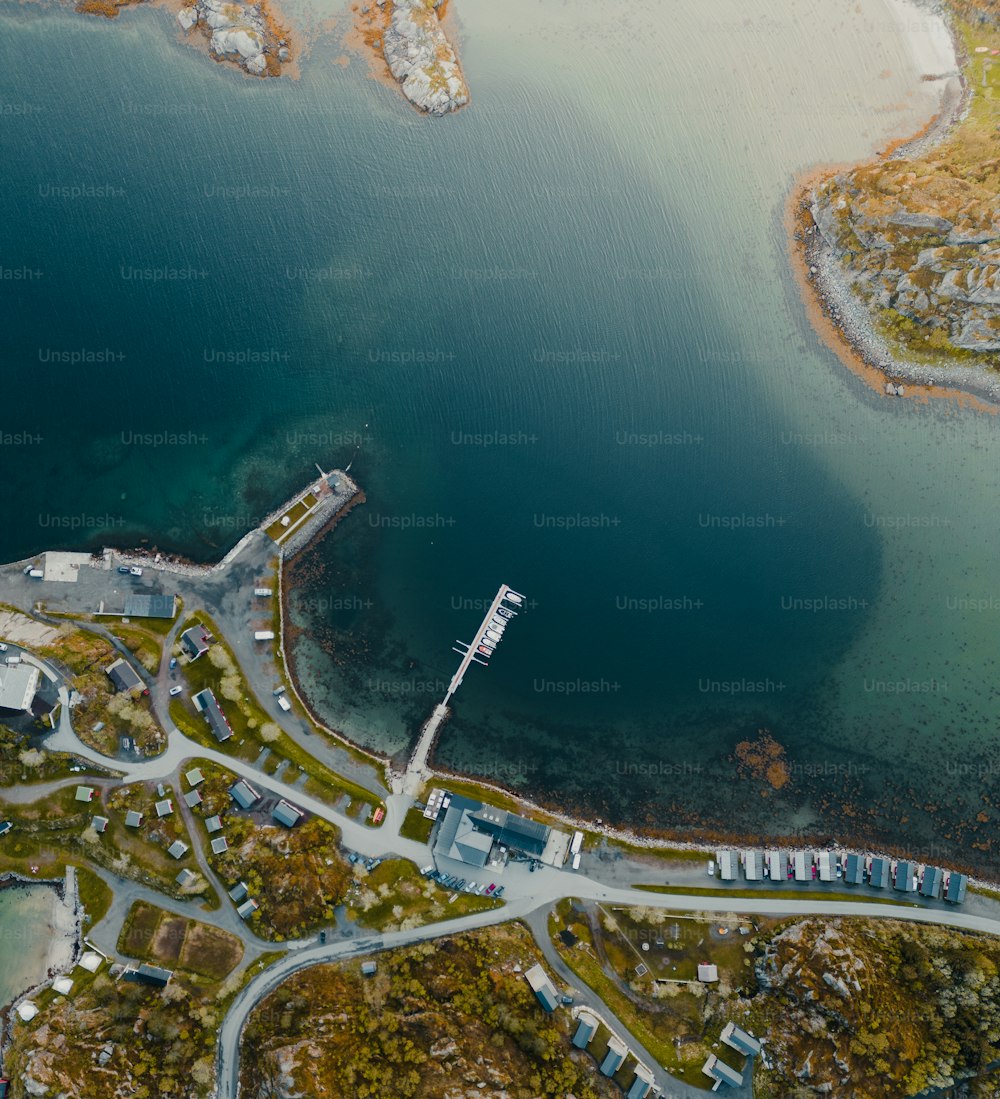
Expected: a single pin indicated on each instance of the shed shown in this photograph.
(213, 824)
(708, 972)
(286, 814)
(905, 873)
(124, 676)
(192, 798)
(854, 870)
(878, 875)
(957, 885)
(164, 808)
(247, 908)
(720, 1071)
(727, 865)
(194, 776)
(542, 987)
(740, 1040)
(178, 849)
(219, 845)
(615, 1057)
(585, 1031)
(641, 1085)
(185, 877)
(100, 825)
(932, 881)
(238, 893)
(133, 819)
(26, 1010)
(368, 969)
(824, 866)
(85, 793)
(753, 865)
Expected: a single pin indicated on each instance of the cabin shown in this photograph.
(930, 885)
(727, 865)
(178, 849)
(542, 987)
(206, 701)
(194, 641)
(185, 877)
(615, 1057)
(719, 1071)
(133, 819)
(220, 845)
(854, 870)
(286, 814)
(585, 1031)
(753, 865)
(878, 875)
(955, 890)
(148, 975)
(247, 908)
(737, 1038)
(777, 865)
(164, 808)
(123, 676)
(195, 777)
(803, 867)
(100, 824)
(238, 893)
(84, 793)
(904, 880)
(192, 798)
(245, 796)
(213, 824)
(641, 1084)
(824, 866)
(707, 972)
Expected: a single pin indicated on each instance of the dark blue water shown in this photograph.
(542, 370)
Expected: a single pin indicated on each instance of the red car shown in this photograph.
(492, 886)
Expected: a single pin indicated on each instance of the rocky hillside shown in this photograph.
(852, 1005)
(918, 236)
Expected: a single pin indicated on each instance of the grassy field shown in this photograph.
(154, 935)
(277, 531)
(95, 896)
(253, 729)
(145, 645)
(416, 826)
(394, 896)
(789, 894)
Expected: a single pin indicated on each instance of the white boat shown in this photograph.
(493, 635)
(516, 599)
(505, 613)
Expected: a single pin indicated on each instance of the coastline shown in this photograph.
(842, 320)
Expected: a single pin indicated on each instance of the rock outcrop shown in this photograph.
(421, 58)
(242, 34)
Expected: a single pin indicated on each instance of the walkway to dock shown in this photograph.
(416, 770)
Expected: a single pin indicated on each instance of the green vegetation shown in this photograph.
(145, 645)
(919, 236)
(278, 531)
(253, 729)
(394, 897)
(416, 826)
(434, 1019)
(95, 896)
(20, 764)
(154, 935)
(792, 893)
(103, 716)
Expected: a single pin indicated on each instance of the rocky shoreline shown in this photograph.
(245, 35)
(421, 58)
(839, 286)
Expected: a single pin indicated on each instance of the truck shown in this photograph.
(263, 635)
(577, 843)
(576, 861)
(36, 574)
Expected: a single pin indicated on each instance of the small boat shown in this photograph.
(482, 649)
(505, 613)
(493, 635)
(516, 599)
(487, 642)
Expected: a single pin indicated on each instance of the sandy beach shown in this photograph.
(841, 319)
(39, 931)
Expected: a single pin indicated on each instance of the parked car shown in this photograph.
(322, 936)
(499, 892)
(123, 569)
(711, 868)
(135, 571)
(491, 887)
(3, 648)
(176, 690)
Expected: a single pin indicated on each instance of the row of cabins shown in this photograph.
(642, 1084)
(904, 876)
(743, 1043)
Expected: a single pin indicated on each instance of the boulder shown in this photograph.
(187, 17)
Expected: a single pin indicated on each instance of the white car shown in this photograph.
(711, 868)
(174, 691)
(135, 571)
(3, 647)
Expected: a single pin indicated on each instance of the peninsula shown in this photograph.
(904, 253)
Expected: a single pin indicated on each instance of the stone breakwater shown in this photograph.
(242, 34)
(421, 58)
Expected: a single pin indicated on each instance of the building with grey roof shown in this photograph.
(905, 873)
(194, 641)
(178, 849)
(615, 1057)
(164, 808)
(368, 969)
(517, 833)
(238, 893)
(728, 864)
(192, 798)
(133, 819)
(720, 1072)
(245, 795)
(247, 908)
(753, 865)
(185, 877)
(194, 776)
(150, 606)
(854, 870)
(213, 824)
(740, 1040)
(930, 885)
(286, 814)
(878, 875)
(84, 793)
(585, 1031)
(641, 1085)
(219, 845)
(542, 987)
(124, 676)
(957, 885)
(148, 975)
(206, 701)
(18, 686)
(100, 824)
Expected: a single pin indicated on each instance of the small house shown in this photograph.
(957, 885)
(100, 825)
(737, 1038)
(85, 793)
(194, 641)
(219, 845)
(368, 969)
(213, 824)
(854, 870)
(185, 877)
(753, 865)
(207, 703)
(133, 819)
(178, 849)
(878, 875)
(286, 814)
(192, 798)
(707, 972)
(148, 975)
(615, 1057)
(124, 676)
(247, 908)
(245, 795)
(585, 1031)
(905, 874)
(719, 1071)
(238, 893)
(195, 777)
(542, 987)
(727, 865)
(641, 1084)
(164, 808)
(932, 881)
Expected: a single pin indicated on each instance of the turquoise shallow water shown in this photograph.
(560, 327)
